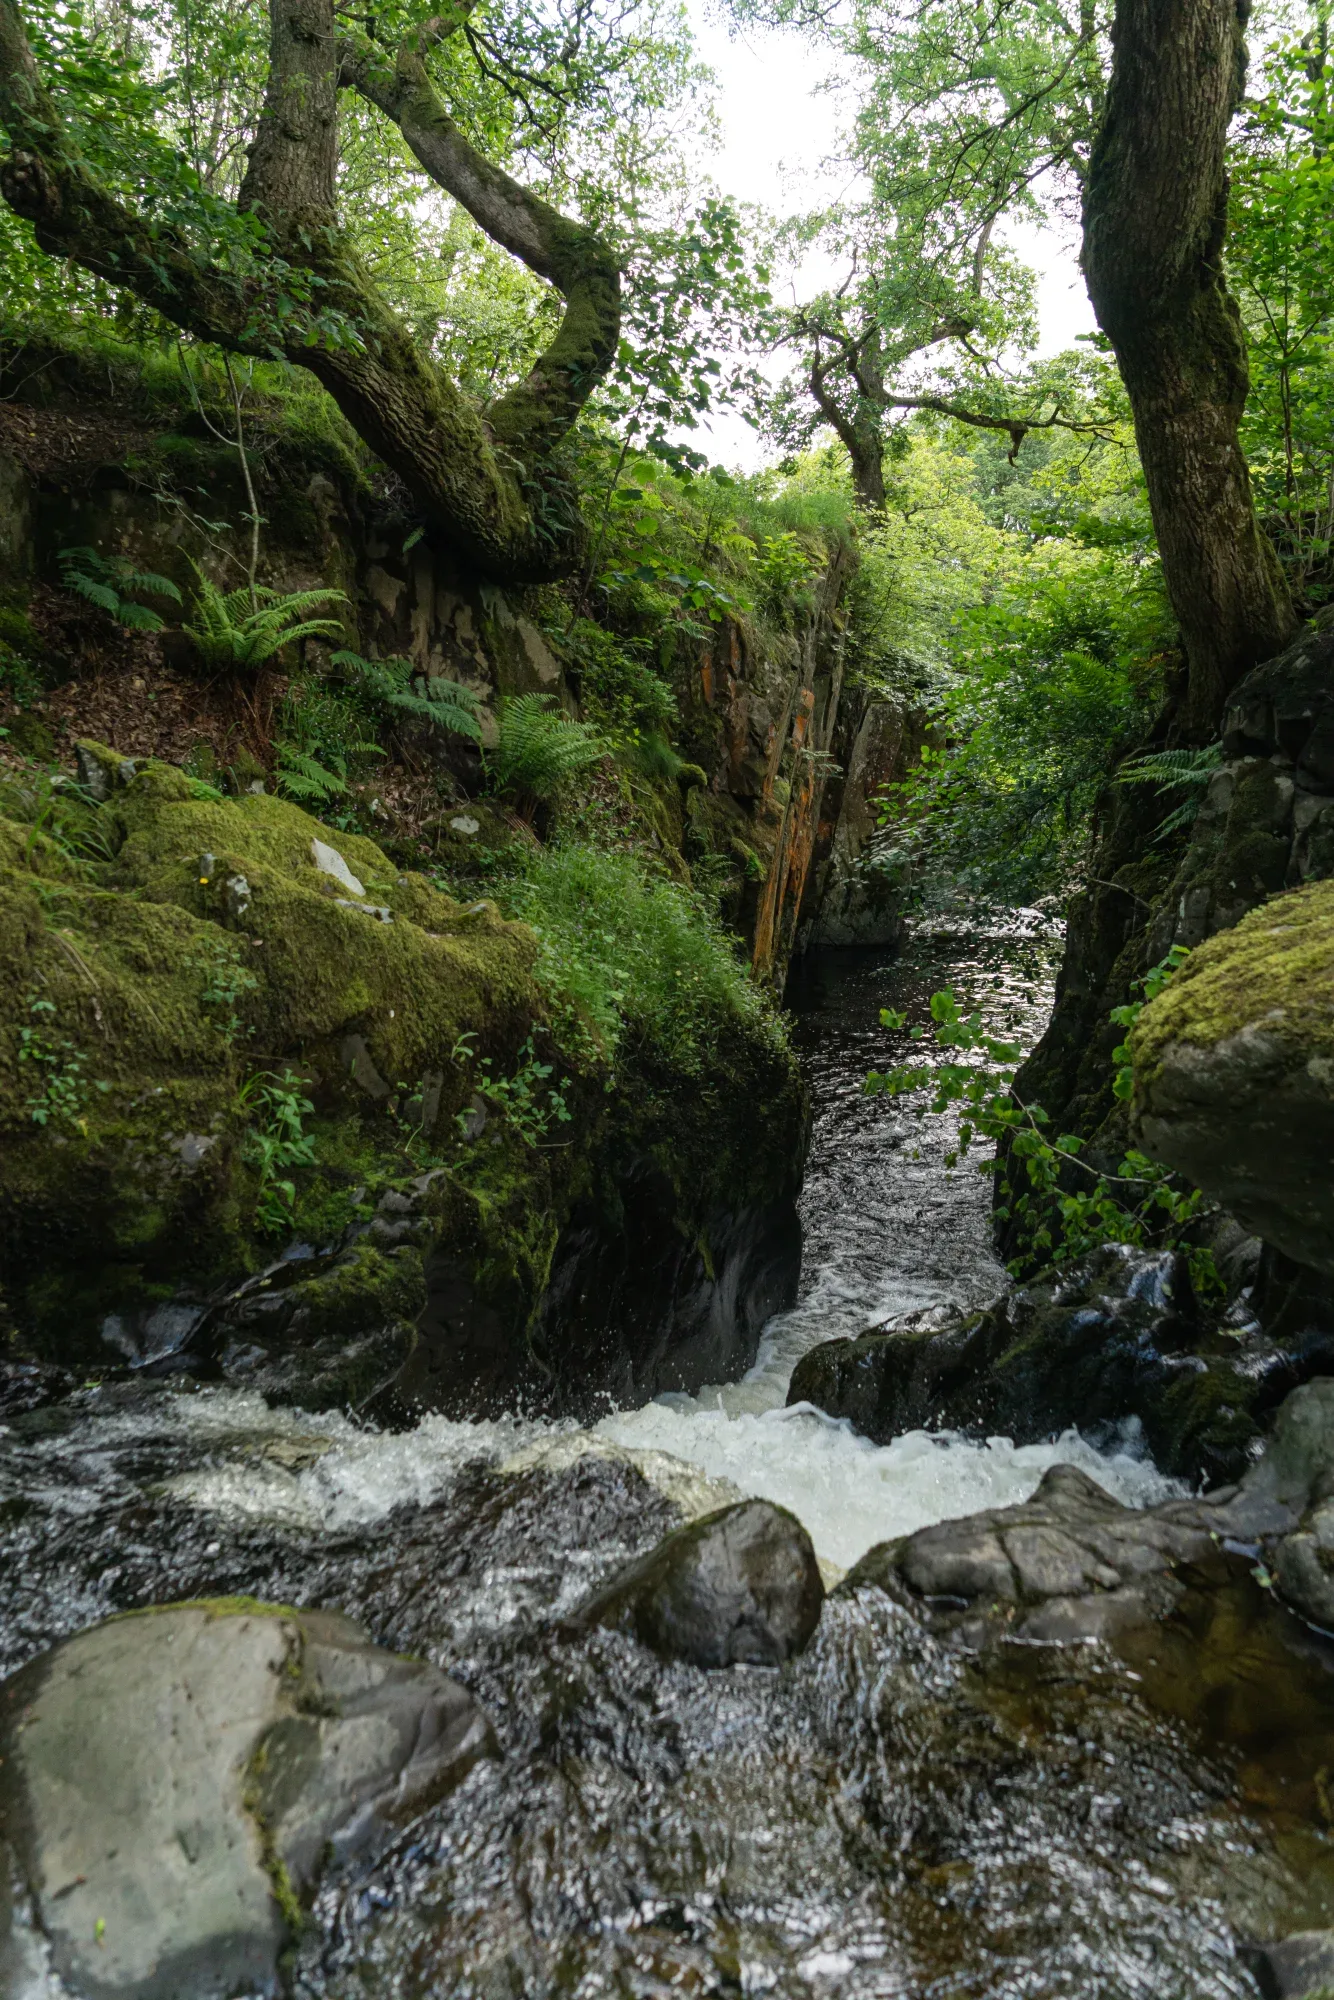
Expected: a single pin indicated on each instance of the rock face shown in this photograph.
(1234, 1073)
(172, 1781)
(855, 893)
(741, 1586)
(656, 1239)
(1089, 1344)
(1266, 825)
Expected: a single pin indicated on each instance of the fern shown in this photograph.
(1173, 770)
(540, 750)
(395, 687)
(109, 581)
(234, 630)
(302, 776)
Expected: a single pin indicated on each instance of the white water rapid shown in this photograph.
(888, 1230)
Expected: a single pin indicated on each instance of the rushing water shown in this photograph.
(882, 1818)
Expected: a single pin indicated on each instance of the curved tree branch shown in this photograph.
(294, 289)
(572, 258)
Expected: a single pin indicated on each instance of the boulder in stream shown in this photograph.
(173, 1781)
(1073, 1563)
(1109, 1337)
(741, 1586)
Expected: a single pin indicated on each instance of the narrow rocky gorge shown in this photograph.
(428, 1588)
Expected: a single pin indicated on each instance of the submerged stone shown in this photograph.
(741, 1586)
(173, 1782)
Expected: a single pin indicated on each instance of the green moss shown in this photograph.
(142, 1165)
(216, 1607)
(1274, 971)
(371, 1287)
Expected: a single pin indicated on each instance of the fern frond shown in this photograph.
(391, 684)
(1170, 768)
(304, 777)
(149, 580)
(539, 750)
(138, 617)
(87, 587)
(234, 630)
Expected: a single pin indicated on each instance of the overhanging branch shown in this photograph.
(574, 259)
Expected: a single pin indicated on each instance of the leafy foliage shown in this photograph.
(114, 585)
(540, 748)
(320, 741)
(1052, 679)
(276, 1142)
(1061, 1205)
(527, 1099)
(626, 954)
(1280, 257)
(58, 1067)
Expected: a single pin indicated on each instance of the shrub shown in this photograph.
(625, 953)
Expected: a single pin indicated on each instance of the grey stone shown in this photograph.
(1070, 1564)
(1110, 1336)
(740, 1586)
(360, 1066)
(1297, 1968)
(330, 862)
(172, 1782)
(236, 898)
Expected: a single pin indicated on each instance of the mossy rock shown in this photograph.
(211, 939)
(1234, 1073)
(143, 987)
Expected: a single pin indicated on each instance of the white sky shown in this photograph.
(778, 128)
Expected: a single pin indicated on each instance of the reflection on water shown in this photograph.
(885, 1819)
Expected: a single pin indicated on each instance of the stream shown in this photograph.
(880, 1818)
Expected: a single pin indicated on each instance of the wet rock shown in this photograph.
(741, 1586)
(173, 1782)
(1090, 1344)
(1301, 1967)
(1074, 1563)
(1071, 1563)
(1234, 1073)
(1295, 1478)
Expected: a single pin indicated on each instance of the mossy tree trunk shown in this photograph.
(485, 478)
(1155, 215)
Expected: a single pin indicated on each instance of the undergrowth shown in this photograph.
(1061, 1204)
(627, 956)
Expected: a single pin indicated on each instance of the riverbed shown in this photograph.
(878, 1819)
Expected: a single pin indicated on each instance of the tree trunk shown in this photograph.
(484, 477)
(1155, 215)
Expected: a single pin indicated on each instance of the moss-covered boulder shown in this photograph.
(212, 940)
(256, 1088)
(1234, 1073)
